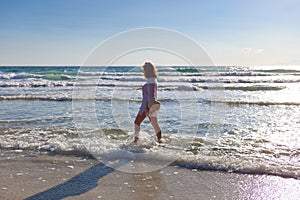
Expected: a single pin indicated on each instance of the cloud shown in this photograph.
(246, 50)
(258, 51)
(252, 50)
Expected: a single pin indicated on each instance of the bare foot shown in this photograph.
(136, 139)
(158, 135)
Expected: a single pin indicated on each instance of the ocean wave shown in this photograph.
(178, 73)
(36, 83)
(41, 98)
(260, 73)
(108, 96)
(223, 154)
(115, 78)
(23, 75)
(19, 76)
(71, 98)
(221, 80)
(248, 88)
(211, 76)
(35, 121)
(197, 79)
(241, 88)
(66, 98)
(289, 71)
(136, 82)
(258, 103)
(57, 77)
(239, 165)
(243, 74)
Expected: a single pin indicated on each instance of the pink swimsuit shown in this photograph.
(149, 92)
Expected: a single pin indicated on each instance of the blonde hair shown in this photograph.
(149, 70)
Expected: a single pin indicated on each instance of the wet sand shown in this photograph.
(38, 176)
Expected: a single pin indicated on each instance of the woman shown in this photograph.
(149, 96)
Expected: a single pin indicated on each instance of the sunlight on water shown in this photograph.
(226, 118)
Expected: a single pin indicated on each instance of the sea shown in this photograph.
(236, 119)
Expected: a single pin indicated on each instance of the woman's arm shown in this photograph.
(152, 92)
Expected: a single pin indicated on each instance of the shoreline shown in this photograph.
(42, 176)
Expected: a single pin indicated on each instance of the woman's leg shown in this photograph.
(137, 123)
(154, 122)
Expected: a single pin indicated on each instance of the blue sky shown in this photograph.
(233, 32)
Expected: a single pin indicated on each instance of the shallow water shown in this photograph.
(225, 118)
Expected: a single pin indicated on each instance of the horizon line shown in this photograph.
(156, 65)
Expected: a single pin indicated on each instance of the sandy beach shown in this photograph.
(38, 176)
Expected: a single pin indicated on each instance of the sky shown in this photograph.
(232, 32)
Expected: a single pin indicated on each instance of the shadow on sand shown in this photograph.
(77, 185)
